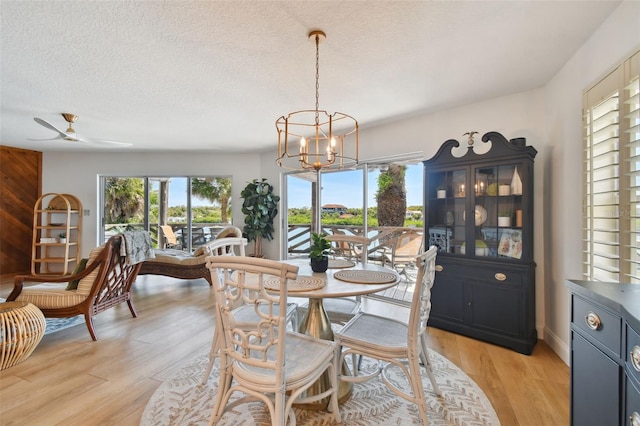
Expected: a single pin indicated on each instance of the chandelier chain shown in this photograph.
(317, 76)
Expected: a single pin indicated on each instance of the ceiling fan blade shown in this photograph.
(111, 143)
(49, 139)
(102, 142)
(50, 126)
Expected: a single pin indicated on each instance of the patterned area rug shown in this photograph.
(57, 324)
(182, 400)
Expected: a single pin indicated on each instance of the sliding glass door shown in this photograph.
(179, 212)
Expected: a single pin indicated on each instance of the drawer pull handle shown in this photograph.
(500, 276)
(635, 358)
(593, 320)
(439, 268)
(634, 419)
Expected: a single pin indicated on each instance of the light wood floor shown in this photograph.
(71, 380)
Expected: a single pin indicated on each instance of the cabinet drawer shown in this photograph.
(490, 274)
(632, 355)
(632, 405)
(598, 323)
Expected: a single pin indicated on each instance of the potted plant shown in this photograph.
(260, 207)
(441, 191)
(62, 237)
(504, 218)
(319, 254)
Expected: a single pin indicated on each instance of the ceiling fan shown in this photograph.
(71, 135)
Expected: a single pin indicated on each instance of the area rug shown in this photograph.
(182, 400)
(58, 324)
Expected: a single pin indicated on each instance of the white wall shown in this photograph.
(550, 118)
(77, 174)
(613, 42)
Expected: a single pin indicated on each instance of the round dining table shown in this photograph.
(317, 324)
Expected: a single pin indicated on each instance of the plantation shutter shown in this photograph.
(612, 176)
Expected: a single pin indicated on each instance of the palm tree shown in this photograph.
(124, 199)
(392, 196)
(214, 189)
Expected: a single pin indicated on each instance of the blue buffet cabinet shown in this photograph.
(605, 353)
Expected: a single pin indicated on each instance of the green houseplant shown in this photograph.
(260, 207)
(319, 254)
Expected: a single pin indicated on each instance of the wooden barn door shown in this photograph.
(20, 188)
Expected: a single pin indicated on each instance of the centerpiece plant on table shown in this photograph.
(319, 254)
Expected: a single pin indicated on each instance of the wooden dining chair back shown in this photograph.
(233, 246)
(229, 232)
(395, 343)
(104, 283)
(227, 246)
(265, 362)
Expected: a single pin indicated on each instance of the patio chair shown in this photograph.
(402, 251)
(265, 362)
(104, 283)
(171, 241)
(233, 246)
(395, 343)
(350, 246)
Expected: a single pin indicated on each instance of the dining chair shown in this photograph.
(342, 309)
(266, 362)
(245, 314)
(395, 343)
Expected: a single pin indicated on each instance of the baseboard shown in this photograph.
(557, 345)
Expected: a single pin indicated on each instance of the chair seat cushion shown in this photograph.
(304, 356)
(51, 296)
(85, 284)
(177, 257)
(375, 331)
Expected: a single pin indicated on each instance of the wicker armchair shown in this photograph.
(105, 283)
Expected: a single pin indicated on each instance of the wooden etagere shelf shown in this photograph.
(57, 224)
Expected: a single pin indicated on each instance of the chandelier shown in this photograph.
(315, 139)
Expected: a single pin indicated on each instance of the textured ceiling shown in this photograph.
(215, 75)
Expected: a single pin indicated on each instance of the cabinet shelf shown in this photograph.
(478, 257)
(53, 215)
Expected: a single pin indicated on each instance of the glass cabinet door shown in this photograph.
(446, 192)
(498, 211)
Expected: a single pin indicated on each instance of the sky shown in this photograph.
(344, 187)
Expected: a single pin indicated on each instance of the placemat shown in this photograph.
(366, 277)
(340, 263)
(302, 283)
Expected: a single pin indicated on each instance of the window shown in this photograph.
(179, 212)
(612, 176)
(344, 197)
